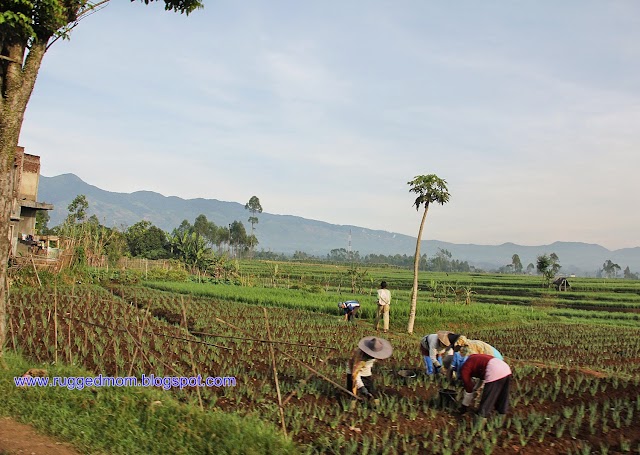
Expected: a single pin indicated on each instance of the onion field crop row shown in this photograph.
(563, 374)
(430, 314)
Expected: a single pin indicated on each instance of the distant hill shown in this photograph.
(287, 234)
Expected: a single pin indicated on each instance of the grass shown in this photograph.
(431, 315)
(130, 420)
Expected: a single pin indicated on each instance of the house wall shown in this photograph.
(28, 188)
(26, 177)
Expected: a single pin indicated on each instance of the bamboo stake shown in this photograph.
(135, 353)
(193, 365)
(13, 337)
(36, 271)
(275, 372)
(69, 333)
(55, 323)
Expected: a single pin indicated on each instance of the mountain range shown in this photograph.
(287, 234)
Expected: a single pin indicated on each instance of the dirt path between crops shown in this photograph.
(18, 438)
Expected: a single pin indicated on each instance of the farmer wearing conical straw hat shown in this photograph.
(467, 347)
(359, 373)
(433, 346)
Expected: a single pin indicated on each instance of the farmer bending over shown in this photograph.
(369, 350)
(495, 374)
(433, 346)
(349, 309)
(468, 347)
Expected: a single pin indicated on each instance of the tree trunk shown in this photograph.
(416, 266)
(17, 79)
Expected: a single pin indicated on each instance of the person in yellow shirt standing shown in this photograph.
(384, 302)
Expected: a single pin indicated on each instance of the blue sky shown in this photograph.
(529, 110)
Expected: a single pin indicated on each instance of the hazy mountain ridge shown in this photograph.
(288, 233)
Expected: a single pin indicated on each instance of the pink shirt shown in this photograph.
(484, 367)
(496, 369)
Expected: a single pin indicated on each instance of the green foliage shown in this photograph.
(173, 274)
(105, 277)
(548, 267)
(610, 268)
(42, 219)
(79, 257)
(556, 365)
(77, 210)
(429, 188)
(147, 240)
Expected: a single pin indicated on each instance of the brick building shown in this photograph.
(22, 226)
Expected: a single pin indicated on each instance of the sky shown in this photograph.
(529, 110)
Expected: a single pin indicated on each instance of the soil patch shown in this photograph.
(18, 438)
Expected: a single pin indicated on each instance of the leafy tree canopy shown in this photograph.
(430, 188)
(22, 20)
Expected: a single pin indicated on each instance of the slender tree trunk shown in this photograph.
(416, 266)
(17, 80)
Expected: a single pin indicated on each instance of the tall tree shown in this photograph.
(429, 188)
(254, 207)
(516, 263)
(237, 237)
(628, 275)
(27, 29)
(77, 209)
(610, 268)
(206, 229)
(555, 264)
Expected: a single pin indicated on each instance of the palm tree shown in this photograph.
(429, 188)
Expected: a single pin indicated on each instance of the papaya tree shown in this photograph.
(28, 28)
(429, 189)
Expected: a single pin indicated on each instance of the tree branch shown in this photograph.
(10, 59)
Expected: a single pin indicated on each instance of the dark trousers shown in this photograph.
(351, 314)
(495, 396)
(366, 380)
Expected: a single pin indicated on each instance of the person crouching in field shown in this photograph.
(433, 346)
(467, 347)
(349, 309)
(359, 380)
(496, 376)
(463, 348)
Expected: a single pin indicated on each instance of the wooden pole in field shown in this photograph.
(275, 372)
(140, 331)
(55, 323)
(69, 332)
(36, 271)
(193, 365)
(13, 337)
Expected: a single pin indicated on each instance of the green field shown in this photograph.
(576, 370)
